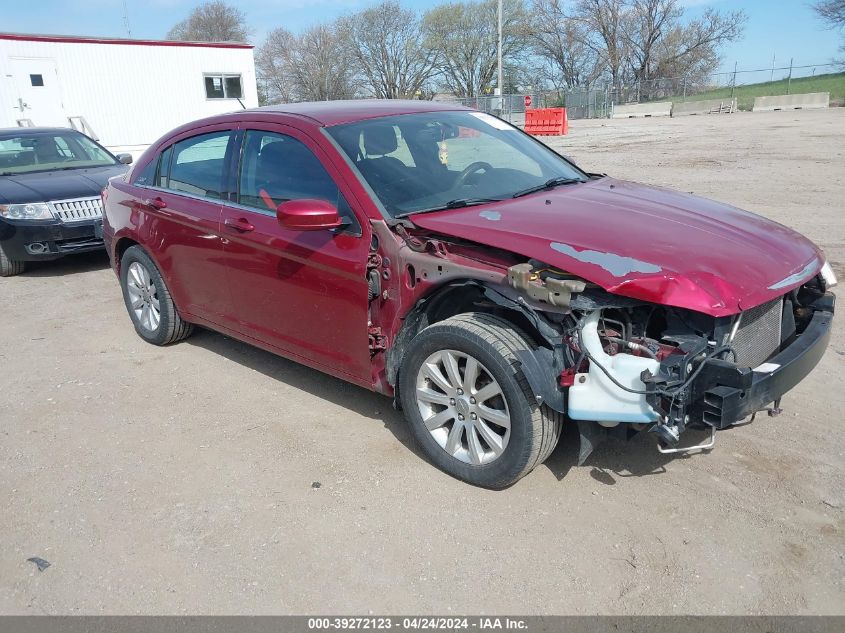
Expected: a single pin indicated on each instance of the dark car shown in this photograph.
(50, 184)
(440, 256)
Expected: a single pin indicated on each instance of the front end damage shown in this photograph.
(616, 365)
(633, 367)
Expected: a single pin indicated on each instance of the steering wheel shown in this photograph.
(469, 170)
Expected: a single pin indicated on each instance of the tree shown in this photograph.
(387, 45)
(660, 45)
(602, 20)
(213, 21)
(832, 12)
(311, 66)
(558, 39)
(466, 35)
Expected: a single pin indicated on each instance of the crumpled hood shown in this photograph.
(56, 185)
(645, 242)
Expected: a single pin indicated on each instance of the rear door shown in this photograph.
(181, 206)
(303, 292)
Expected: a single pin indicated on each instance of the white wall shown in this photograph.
(130, 94)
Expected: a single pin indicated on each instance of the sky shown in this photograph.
(781, 28)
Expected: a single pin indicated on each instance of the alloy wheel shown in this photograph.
(143, 297)
(463, 407)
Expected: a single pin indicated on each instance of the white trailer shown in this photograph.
(124, 93)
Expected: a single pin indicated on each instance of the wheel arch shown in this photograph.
(540, 367)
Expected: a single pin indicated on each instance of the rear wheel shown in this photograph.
(9, 267)
(148, 300)
(469, 405)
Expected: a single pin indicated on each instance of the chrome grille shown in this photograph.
(78, 209)
(758, 335)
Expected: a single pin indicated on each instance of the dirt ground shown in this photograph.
(182, 480)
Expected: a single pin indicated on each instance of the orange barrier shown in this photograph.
(546, 122)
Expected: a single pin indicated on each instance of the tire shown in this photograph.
(9, 267)
(138, 271)
(492, 342)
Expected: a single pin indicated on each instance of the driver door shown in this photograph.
(303, 293)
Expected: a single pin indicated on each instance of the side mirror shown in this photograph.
(308, 215)
(126, 159)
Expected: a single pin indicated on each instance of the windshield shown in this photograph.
(23, 153)
(437, 160)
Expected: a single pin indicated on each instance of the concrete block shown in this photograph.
(792, 102)
(707, 106)
(631, 110)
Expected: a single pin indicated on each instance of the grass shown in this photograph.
(834, 83)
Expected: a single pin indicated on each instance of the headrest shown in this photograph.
(380, 140)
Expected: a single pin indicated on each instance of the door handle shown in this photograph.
(156, 203)
(242, 225)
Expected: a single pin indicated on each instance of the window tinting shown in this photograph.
(196, 166)
(36, 80)
(281, 168)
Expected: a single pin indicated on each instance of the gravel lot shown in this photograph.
(181, 480)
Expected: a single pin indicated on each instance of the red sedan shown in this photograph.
(440, 256)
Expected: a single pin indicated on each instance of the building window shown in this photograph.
(36, 80)
(223, 86)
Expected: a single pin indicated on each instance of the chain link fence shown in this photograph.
(510, 107)
(597, 101)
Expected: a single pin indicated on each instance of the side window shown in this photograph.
(155, 172)
(196, 166)
(277, 168)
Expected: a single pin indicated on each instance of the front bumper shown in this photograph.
(37, 241)
(723, 393)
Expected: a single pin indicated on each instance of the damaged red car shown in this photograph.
(444, 258)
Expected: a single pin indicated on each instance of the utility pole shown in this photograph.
(126, 20)
(789, 80)
(499, 52)
(733, 82)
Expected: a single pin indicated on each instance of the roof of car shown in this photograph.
(335, 112)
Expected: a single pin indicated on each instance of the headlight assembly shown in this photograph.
(31, 211)
(828, 276)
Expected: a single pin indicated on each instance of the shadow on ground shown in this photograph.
(69, 265)
(611, 460)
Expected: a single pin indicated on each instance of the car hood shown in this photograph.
(644, 242)
(56, 185)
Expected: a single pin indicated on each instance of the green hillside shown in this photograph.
(834, 83)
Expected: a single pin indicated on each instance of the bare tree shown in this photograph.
(644, 24)
(558, 38)
(603, 23)
(387, 44)
(311, 66)
(213, 21)
(693, 48)
(466, 34)
(832, 12)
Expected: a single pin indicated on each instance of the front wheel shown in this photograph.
(469, 405)
(148, 300)
(9, 267)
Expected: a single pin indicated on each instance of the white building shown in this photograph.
(125, 93)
